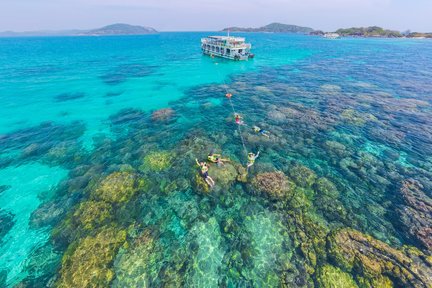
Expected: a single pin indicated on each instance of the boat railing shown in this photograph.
(227, 45)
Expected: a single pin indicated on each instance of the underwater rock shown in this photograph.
(309, 237)
(157, 161)
(49, 213)
(332, 277)
(3, 277)
(356, 118)
(274, 184)
(113, 94)
(118, 187)
(223, 175)
(131, 265)
(128, 115)
(265, 250)
(163, 115)
(87, 262)
(330, 88)
(362, 254)
(337, 148)
(123, 72)
(69, 96)
(6, 223)
(4, 188)
(200, 184)
(416, 215)
(92, 214)
(326, 200)
(302, 175)
(41, 266)
(206, 259)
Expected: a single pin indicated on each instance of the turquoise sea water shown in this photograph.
(85, 150)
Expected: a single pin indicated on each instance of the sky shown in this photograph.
(212, 15)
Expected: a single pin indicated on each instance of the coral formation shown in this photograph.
(370, 258)
(223, 175)
(302, 175)
(416, 214)
(6, 223)
(332, 277)
(157, 161)
(88, 262)
(163, 115)
(131, 265)
(274, 184)
(118, 187)
(92, 214)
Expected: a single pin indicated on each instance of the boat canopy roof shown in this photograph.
(227, 38)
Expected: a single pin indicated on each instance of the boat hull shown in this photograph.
(226, 56)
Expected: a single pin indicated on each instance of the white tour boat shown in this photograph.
(234, 48)
(331, 35)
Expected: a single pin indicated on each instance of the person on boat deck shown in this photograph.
(261, 131)
(204, 173)
(216, 158)
(251, 159)
(238, 119)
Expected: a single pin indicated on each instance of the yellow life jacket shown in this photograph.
(212, 158)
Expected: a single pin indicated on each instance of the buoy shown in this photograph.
(228, 95)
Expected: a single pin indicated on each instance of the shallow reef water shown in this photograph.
(100, 188)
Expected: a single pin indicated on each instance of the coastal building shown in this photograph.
(234, 48)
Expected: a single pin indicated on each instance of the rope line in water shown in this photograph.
(234, 111)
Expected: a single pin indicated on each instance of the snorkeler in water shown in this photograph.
(238, 119)
(216, 158)
(261, 131)
(204, 173)
(251, 159)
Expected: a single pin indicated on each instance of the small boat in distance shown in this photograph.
(234, 48)
(331, 35)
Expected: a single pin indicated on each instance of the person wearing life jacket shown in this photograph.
(238, 119)
(251, 159)
(204, 173)
(261, 131)
(216, 158)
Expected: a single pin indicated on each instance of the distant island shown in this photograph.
(110, 30)
(273, 28)
(375, 31)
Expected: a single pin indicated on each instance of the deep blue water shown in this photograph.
(78, 116)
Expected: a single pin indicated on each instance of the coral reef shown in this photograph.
(416, 214)
(49, 213)
(92, 214)
(370, 258)
(157, 161)
(118, 187)
(131, 265)
(274, 184)
(332, 277)
(88, 262)
(326, 200)
(163, 115)
(224, 175)
(309, 237)
(302, 175)
(6, 223)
